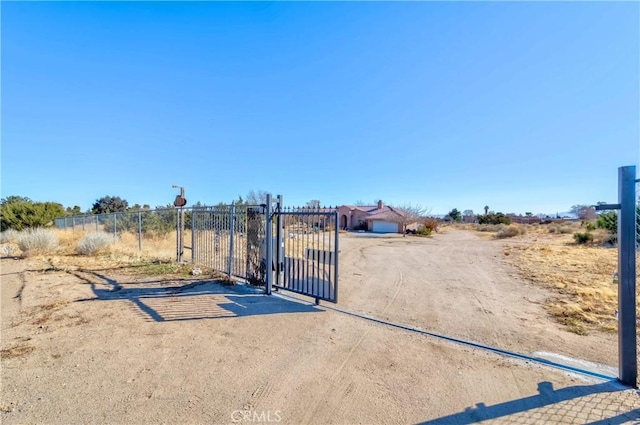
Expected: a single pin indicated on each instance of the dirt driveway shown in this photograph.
(100, 347)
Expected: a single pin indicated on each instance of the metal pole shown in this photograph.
(139, 230)
(177, 235)
(181, 234)
(627, 351)
(232, 232)
(269, 248)
(335, 258)
(115, 225)
(279, 243)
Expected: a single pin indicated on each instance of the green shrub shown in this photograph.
(608, 221)
(498, 218)
(37, 241)
(507, 232)
(583, 237)
(589, 226)
(22, 213)
(94, 243)
(424, 231)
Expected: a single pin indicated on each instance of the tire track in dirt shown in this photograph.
(340, 388)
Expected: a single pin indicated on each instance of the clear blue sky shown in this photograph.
(519, 106)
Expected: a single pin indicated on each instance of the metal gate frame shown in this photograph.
(306, 251)
(302, 256)
(627, 234)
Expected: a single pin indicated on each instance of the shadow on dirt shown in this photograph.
(604, 403)
(162, 301)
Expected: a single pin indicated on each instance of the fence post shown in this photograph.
(139, 230)
(269, 247)
(83, 221)
(627, 350)
(279, 242)
(231, 238)
(337, 251)
(115, 225)
(179, 234)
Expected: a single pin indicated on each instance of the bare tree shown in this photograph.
(257, 197)
(313, 204)
(406, 214)
(584, 212)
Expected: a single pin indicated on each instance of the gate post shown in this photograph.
(279, 242)
(627, 350)
(268, 247)
(232, 232)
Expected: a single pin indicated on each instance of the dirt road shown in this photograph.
(459, 285)
(105, 348)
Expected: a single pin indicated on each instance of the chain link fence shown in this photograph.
(153, 231)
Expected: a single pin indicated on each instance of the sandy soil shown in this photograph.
(100, 347)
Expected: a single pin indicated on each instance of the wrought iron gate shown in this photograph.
(303, 255)
(230, 239)
(307, 252)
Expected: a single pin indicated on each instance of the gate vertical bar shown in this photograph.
(231, 237)
(268, 248)
(627, 350)
(279, 242)
(193, 235)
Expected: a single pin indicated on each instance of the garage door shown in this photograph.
(385, 227)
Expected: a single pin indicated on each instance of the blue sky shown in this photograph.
(518, 106)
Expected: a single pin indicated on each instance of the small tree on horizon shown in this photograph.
(109, 204)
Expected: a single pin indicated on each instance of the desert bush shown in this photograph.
(507, 232)
(432, 224)
(498, 218)
(93, 243)
(588, 225)
(608, 221)
(424, 231)
(38, 241)
(489, 227)
(565, 230)
(9, 235)
(582, 237)
(22, 213)
(602, 236)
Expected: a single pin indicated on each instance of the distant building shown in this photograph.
(375, 218)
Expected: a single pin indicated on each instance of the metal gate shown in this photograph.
(307, 252)
(231, 239)
(303, 253)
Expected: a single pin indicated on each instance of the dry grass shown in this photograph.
(585, 296)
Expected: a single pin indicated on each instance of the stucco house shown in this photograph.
(376, 218)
